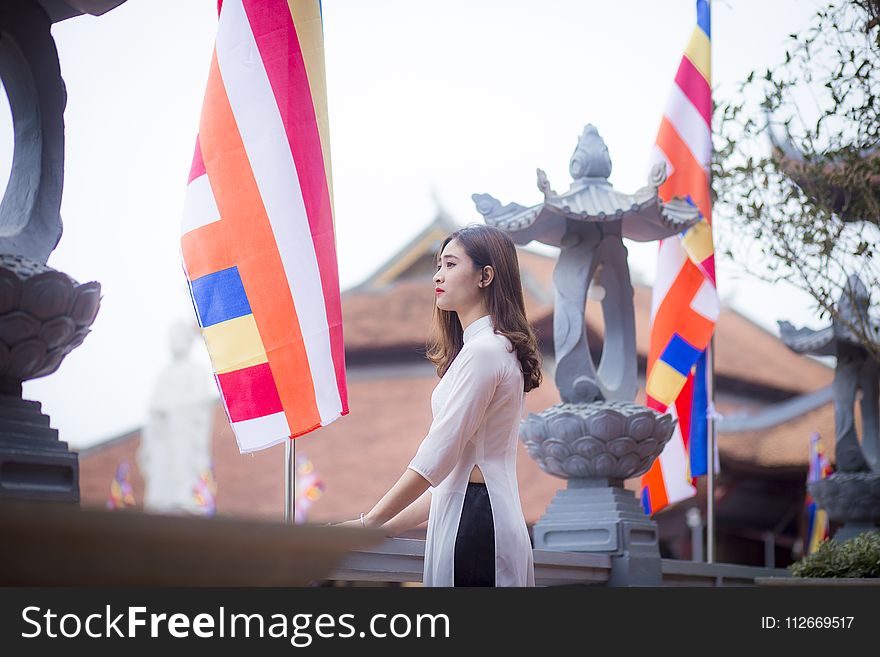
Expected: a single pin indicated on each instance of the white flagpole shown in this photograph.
(710, 457)
(710, 394)
(289, 481)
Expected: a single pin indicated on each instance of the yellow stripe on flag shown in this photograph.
(664, 383)
(698, 51)
(309, 28)
(235, 344)
(697, 241)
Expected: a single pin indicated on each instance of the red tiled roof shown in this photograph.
(400, 315)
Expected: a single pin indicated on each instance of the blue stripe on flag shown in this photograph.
(646, 500)
(698, 445)
(680, 355)
(192, 299)
(220, 296)
(703, 17)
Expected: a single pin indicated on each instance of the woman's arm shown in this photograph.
(409, 487)
(412, 516)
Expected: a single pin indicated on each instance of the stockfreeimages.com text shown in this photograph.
(300, 629)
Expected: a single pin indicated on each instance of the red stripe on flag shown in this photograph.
(694, 86)
(250, 393)
(198, 165)
(275, 35)
(683, 408)
(252, 248)
(688, 177)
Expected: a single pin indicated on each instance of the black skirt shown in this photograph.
(475, 541)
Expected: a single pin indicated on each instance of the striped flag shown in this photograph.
(817, 519)
(258, 244)
(685, 302)
(309, 488)
(121, 491)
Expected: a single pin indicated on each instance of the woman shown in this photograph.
(486, 355)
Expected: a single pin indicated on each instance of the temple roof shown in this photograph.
(402, 288)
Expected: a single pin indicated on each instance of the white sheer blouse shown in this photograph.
(477, 407)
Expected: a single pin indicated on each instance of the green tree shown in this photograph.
(796, 172)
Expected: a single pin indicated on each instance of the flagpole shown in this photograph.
(710, 390)
(289, 481)
(710, 458)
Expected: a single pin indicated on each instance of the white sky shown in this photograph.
(425, 97)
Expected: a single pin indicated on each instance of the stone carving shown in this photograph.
(597, 437)
(615, 440)
(852, 494)
(856, 370)
(587, 222)
(30, 211)
(44, 314)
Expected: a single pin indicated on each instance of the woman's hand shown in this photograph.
(349, 523)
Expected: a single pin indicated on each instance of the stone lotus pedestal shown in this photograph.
(852, 498)
(44, 315)
(596, 446)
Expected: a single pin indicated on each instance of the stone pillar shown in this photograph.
(44, 313)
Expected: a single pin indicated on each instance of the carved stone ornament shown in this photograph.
(614, 440)
(855, 371)
(852, 494)
(44, 315)
(587, 223)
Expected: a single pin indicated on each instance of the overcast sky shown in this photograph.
(426, 99)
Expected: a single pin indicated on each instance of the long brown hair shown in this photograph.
(487, 245)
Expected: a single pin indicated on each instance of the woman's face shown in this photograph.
(458, 280)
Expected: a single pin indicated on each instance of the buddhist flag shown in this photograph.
(309, 488)
(121, 491)
(685, 302)
(817, 519)
(258, 243)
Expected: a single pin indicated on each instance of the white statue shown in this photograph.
(175, 448)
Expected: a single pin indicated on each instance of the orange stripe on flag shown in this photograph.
(205, 250)
(688, 177)
(252, 246)
(675, 316)
(653, 479)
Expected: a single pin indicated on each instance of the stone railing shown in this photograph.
(400, 560)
